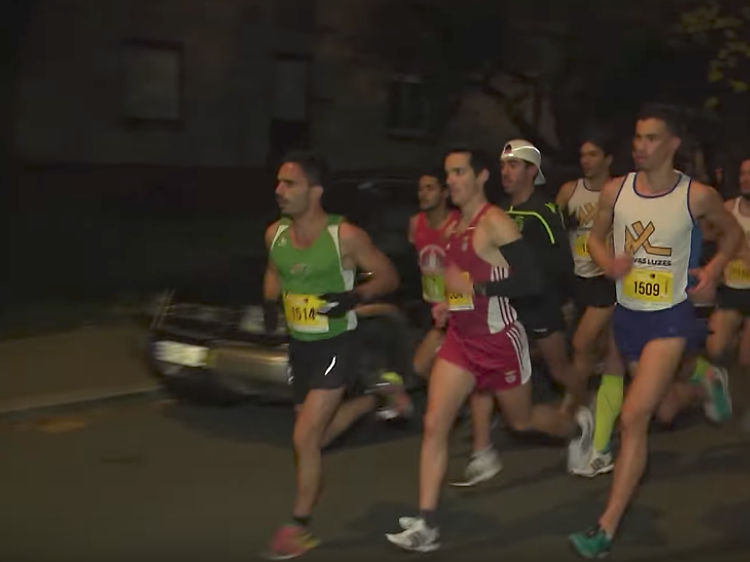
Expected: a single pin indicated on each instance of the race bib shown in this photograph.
(582, 245)
(738, 272)
(461, 302)
(648, 285)
(433, 288)
(302, 314)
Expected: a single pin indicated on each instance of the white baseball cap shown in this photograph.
(523, 150)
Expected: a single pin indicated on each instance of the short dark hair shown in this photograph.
(313, 164)
(436, 173)
(478, 159)
(670, 114)
(601, 138)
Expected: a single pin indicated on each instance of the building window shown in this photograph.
(408, 107)
(295, 15)
(152, 83)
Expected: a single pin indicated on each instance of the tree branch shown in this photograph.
(516, 116)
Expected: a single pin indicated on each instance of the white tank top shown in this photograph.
(737, 272)
(583, 204)
(660, 234)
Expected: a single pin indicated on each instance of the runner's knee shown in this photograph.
(307, 435)
(520, 425)
(583, 344)
(634, 420)
(436, 425)
(519, 421)
(716, 348)
(668, 409)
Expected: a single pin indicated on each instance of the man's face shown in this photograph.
(293, 191)
(462, 182)
(516, 174)
(431, 193)
(653, 144)
(745, 177)
(594, 163)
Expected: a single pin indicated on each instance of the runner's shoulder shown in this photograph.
(414, 221)
(350, 232)
(566, 192)
(271, 231)
(611, 189)
(494, 218)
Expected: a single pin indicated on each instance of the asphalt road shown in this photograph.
(166, 482)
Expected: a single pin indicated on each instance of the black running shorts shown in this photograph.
(594, 292)
(322, 364)
(733, 299)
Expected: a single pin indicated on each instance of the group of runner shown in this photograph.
(625, 251)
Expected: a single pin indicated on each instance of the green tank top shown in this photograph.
(308, 273)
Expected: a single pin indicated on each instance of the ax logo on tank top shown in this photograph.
(642, 240)
(586, 213)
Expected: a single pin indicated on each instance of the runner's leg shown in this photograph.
(427, 351)
(609, 398)
(653, 374)
(723, 326)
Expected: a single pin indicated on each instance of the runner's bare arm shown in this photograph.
(603, 220)
(412, 228)
(271, 284)
(525, 277)
(562, 200)
(358, 249)
(705, 203)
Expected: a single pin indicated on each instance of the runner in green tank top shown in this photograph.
(312, 262)
(305, 273)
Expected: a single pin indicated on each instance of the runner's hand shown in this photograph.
(440, 314)
(620, 267)
(457, 282)
(336, 305)
(704, 290)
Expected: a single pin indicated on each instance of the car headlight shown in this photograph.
(182, 354)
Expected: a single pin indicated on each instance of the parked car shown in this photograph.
(207, 339)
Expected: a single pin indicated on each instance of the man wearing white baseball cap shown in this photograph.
(543, 228)
(520, 149)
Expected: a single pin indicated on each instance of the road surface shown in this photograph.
(167, 482)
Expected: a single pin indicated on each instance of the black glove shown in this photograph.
(338, 304)
(270, 316)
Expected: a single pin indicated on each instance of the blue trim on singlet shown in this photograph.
(696, 241)
(657, 195)
(696, 248)
(690, 211)
(617, 197)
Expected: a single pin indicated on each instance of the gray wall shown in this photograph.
(70, 83)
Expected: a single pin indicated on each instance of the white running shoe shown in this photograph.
(416, 538)
(599, 463)
(718, 405)
(483, 466)
(580, 448)
(408, 522)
